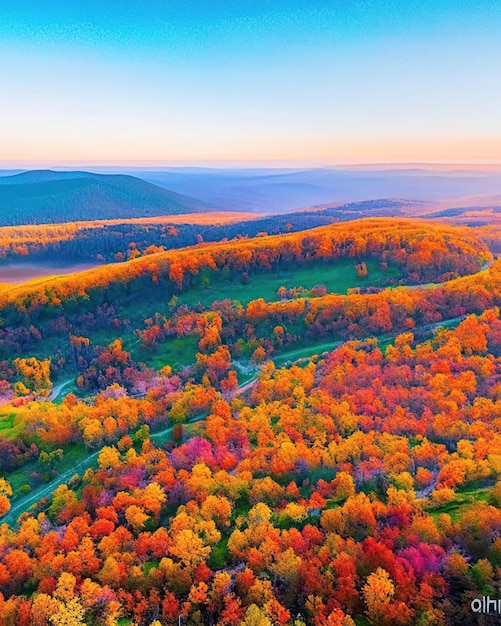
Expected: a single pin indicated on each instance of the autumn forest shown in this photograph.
(219, 425)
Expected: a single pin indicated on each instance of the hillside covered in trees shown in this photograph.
(120, 239)
(281, 430)
(46, 196)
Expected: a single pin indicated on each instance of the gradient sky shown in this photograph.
(196, 81)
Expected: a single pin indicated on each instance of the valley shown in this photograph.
(233, 406)
(17, 273)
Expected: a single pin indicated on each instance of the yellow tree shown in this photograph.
(108, 457)
(255, 617)
(70, 613)
(35, 373)
(110, 573)
(93, 433)
(151, 498)
(136, 516)
(189, 548)
(43, 608)
(70, 610)
(5, 493)
(378, 592)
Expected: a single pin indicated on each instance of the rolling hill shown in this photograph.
(45, 196)
(285, 190)
(301, 407)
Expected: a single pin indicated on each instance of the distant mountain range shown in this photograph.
(470, 211)
(281, 191)
(46, 196)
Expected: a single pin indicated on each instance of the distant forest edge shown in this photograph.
(48, 197)
(121, 239)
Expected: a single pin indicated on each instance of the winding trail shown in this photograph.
(23, 504)
(56, 390)
(45, 490)
(35, 495)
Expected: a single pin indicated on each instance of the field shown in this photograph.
(337, 278)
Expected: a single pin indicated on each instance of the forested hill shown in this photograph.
(45, 196)
(425, 252)
(241, 432)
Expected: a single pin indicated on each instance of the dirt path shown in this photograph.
(56, 390)
(20, 506)
(42, 491)
(35, 495)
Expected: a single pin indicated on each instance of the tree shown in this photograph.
(254, 616)
(136, 516)
(361, 269)
(378, 592)
(35, 373)
(5, 493)
(70, 611)
(109, 457)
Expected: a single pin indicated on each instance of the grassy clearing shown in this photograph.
(176, 352)
(461, 502)
(149, 565)
(73, 454)
(338, 277)
(209, 286)
(8, 424)
(7, 421)
(219, 554)
(306, 351)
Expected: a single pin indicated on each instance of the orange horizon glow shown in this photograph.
(467, 152)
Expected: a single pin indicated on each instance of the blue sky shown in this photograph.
(329, 82)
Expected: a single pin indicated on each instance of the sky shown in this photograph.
(249, 81)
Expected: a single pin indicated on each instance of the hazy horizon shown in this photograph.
(494, 165)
